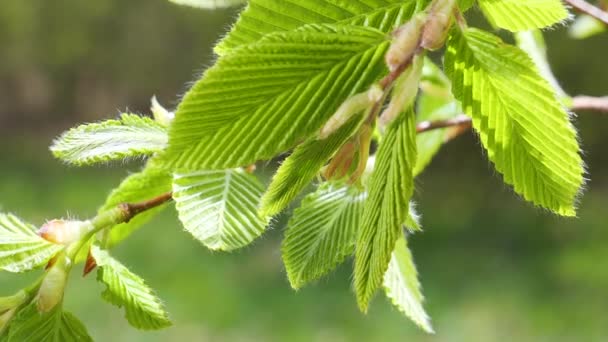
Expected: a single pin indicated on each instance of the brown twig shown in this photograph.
(589, 9)
(131, 210)
(590, 103)
(460, 120)
(126, 212)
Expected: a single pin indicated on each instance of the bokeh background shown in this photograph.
(493, 267)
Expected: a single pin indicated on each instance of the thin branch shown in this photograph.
(589, 103)
(123, 213)
(460, 120)
(587, 8)
(131, 210)
(597, 104)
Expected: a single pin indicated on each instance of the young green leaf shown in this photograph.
(209, 4)
(402, 287)
(219, 208)
(524, 128)
(586, 26)
(322, 232)
(29, 325)
(21, 249)
(302, 166)
(386, 210)
(262, 17)
(152, 181)
(522, 15)
(264, 98)
(130, 136)
(125, 289)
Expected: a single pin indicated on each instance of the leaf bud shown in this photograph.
(53, 285)
(404, 93)
(438, 24)
(405, 43)
(64, 232)
(353, 105)
(161, 115)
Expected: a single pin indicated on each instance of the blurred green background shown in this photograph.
(493, 267)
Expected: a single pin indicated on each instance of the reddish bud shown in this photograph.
(405, 43)
(64, 232)
(438, 24)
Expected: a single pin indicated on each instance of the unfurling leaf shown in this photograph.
(29, 325)
(125, 289)
(300, 168)
(322, 232)
(522, 125)
(386, 210)
(20, 248)
(522, 15)
(219, 208)
(264, 98)
(402, 287)
(130, 136)
(52, 288)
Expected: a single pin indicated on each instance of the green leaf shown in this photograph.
(125, 289)
(151, 182)
(586, 26)
(524, 128)
(402, 287)
(522, 15)
(465, 5)
(209, 4)
(262, 17)
(130, 136)
(302, 166)
(434, 103)
(21, 249)
(266, 97)
(386, 210)
(219, 208)
(322, 232)
(29, 325)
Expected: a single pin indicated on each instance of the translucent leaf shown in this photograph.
(586, 26)
(386, 210)
(434, 103)
(264, 98)
(302, 166)
(130, 136)
(524, 128)
(21, 249)
(149, 183)
(125, 289)
(522, 15)
(29, 325)
(262, 17)
(220, 207)
(209, 4)
(402, 287)
(322, 232)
